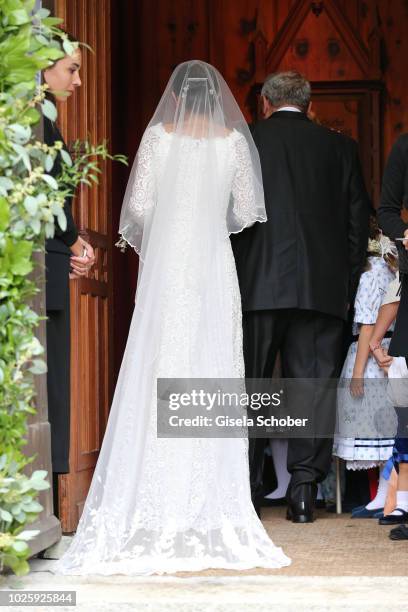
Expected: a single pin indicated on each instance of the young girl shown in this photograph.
(366, 420)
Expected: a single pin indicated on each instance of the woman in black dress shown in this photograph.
(67, 256)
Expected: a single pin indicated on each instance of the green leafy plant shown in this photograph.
(18, 507)
(30, 202)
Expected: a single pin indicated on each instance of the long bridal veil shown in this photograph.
(182, 207)
(166, 504)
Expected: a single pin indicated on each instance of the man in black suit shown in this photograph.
(299, 271)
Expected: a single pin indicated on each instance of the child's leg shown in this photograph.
(401, 461)
(379, 500)
(391, 500)
(402, 490)
(279, 450)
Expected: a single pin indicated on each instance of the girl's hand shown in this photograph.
(381, 356)
(357, 386)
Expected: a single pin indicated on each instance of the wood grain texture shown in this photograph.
(87, 115)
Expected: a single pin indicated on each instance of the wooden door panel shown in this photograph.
(87, 116)
(354, 109)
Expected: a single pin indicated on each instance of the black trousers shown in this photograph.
(58, 356)
(310, 345)
(58, 386)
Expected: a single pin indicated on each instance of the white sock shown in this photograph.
(279, 450)
(402, 502)
(379, 500)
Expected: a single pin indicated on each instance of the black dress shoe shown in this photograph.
(394, 519)
(301, 500)
(299, 515)
(399, 533)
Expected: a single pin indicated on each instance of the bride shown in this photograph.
(160, 505)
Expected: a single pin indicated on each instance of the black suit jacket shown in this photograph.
(310, 252)
(57, 248)
(394, 193)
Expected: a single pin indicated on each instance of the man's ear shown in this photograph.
(309, 108)
(267, 108)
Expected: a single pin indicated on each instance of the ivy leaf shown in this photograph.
(62, 220)
(5, 185)
(49, 110)
(49, 162)
(68, 47)
(33, 506)
(50, 180)
(49, 230)
(43, 14)
(31, 205)
(41, 199)
(23, 155)
(18, 17)
(51, 21)
(21, 132)
(6, 516)
(39, 367)
(55, 208)
(41, 39)
(20, 257)
(32, 115)
(35, 224)
(4, 214)
(66, 157)
(19, 546)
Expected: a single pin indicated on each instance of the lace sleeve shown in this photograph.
(140, 194)
(247, 193)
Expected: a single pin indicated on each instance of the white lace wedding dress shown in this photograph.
(163, 505)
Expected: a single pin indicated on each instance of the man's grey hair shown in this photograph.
(287, 89)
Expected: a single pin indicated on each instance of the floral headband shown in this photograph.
(382, 246)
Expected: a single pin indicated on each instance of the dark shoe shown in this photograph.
(301, 500)
(362, 513)
(394, 519)
(299, 515)
(399, 533)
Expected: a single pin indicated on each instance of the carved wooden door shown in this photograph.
(87, 116)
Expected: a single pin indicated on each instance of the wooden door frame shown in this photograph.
(371, 143)
(89, 118)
